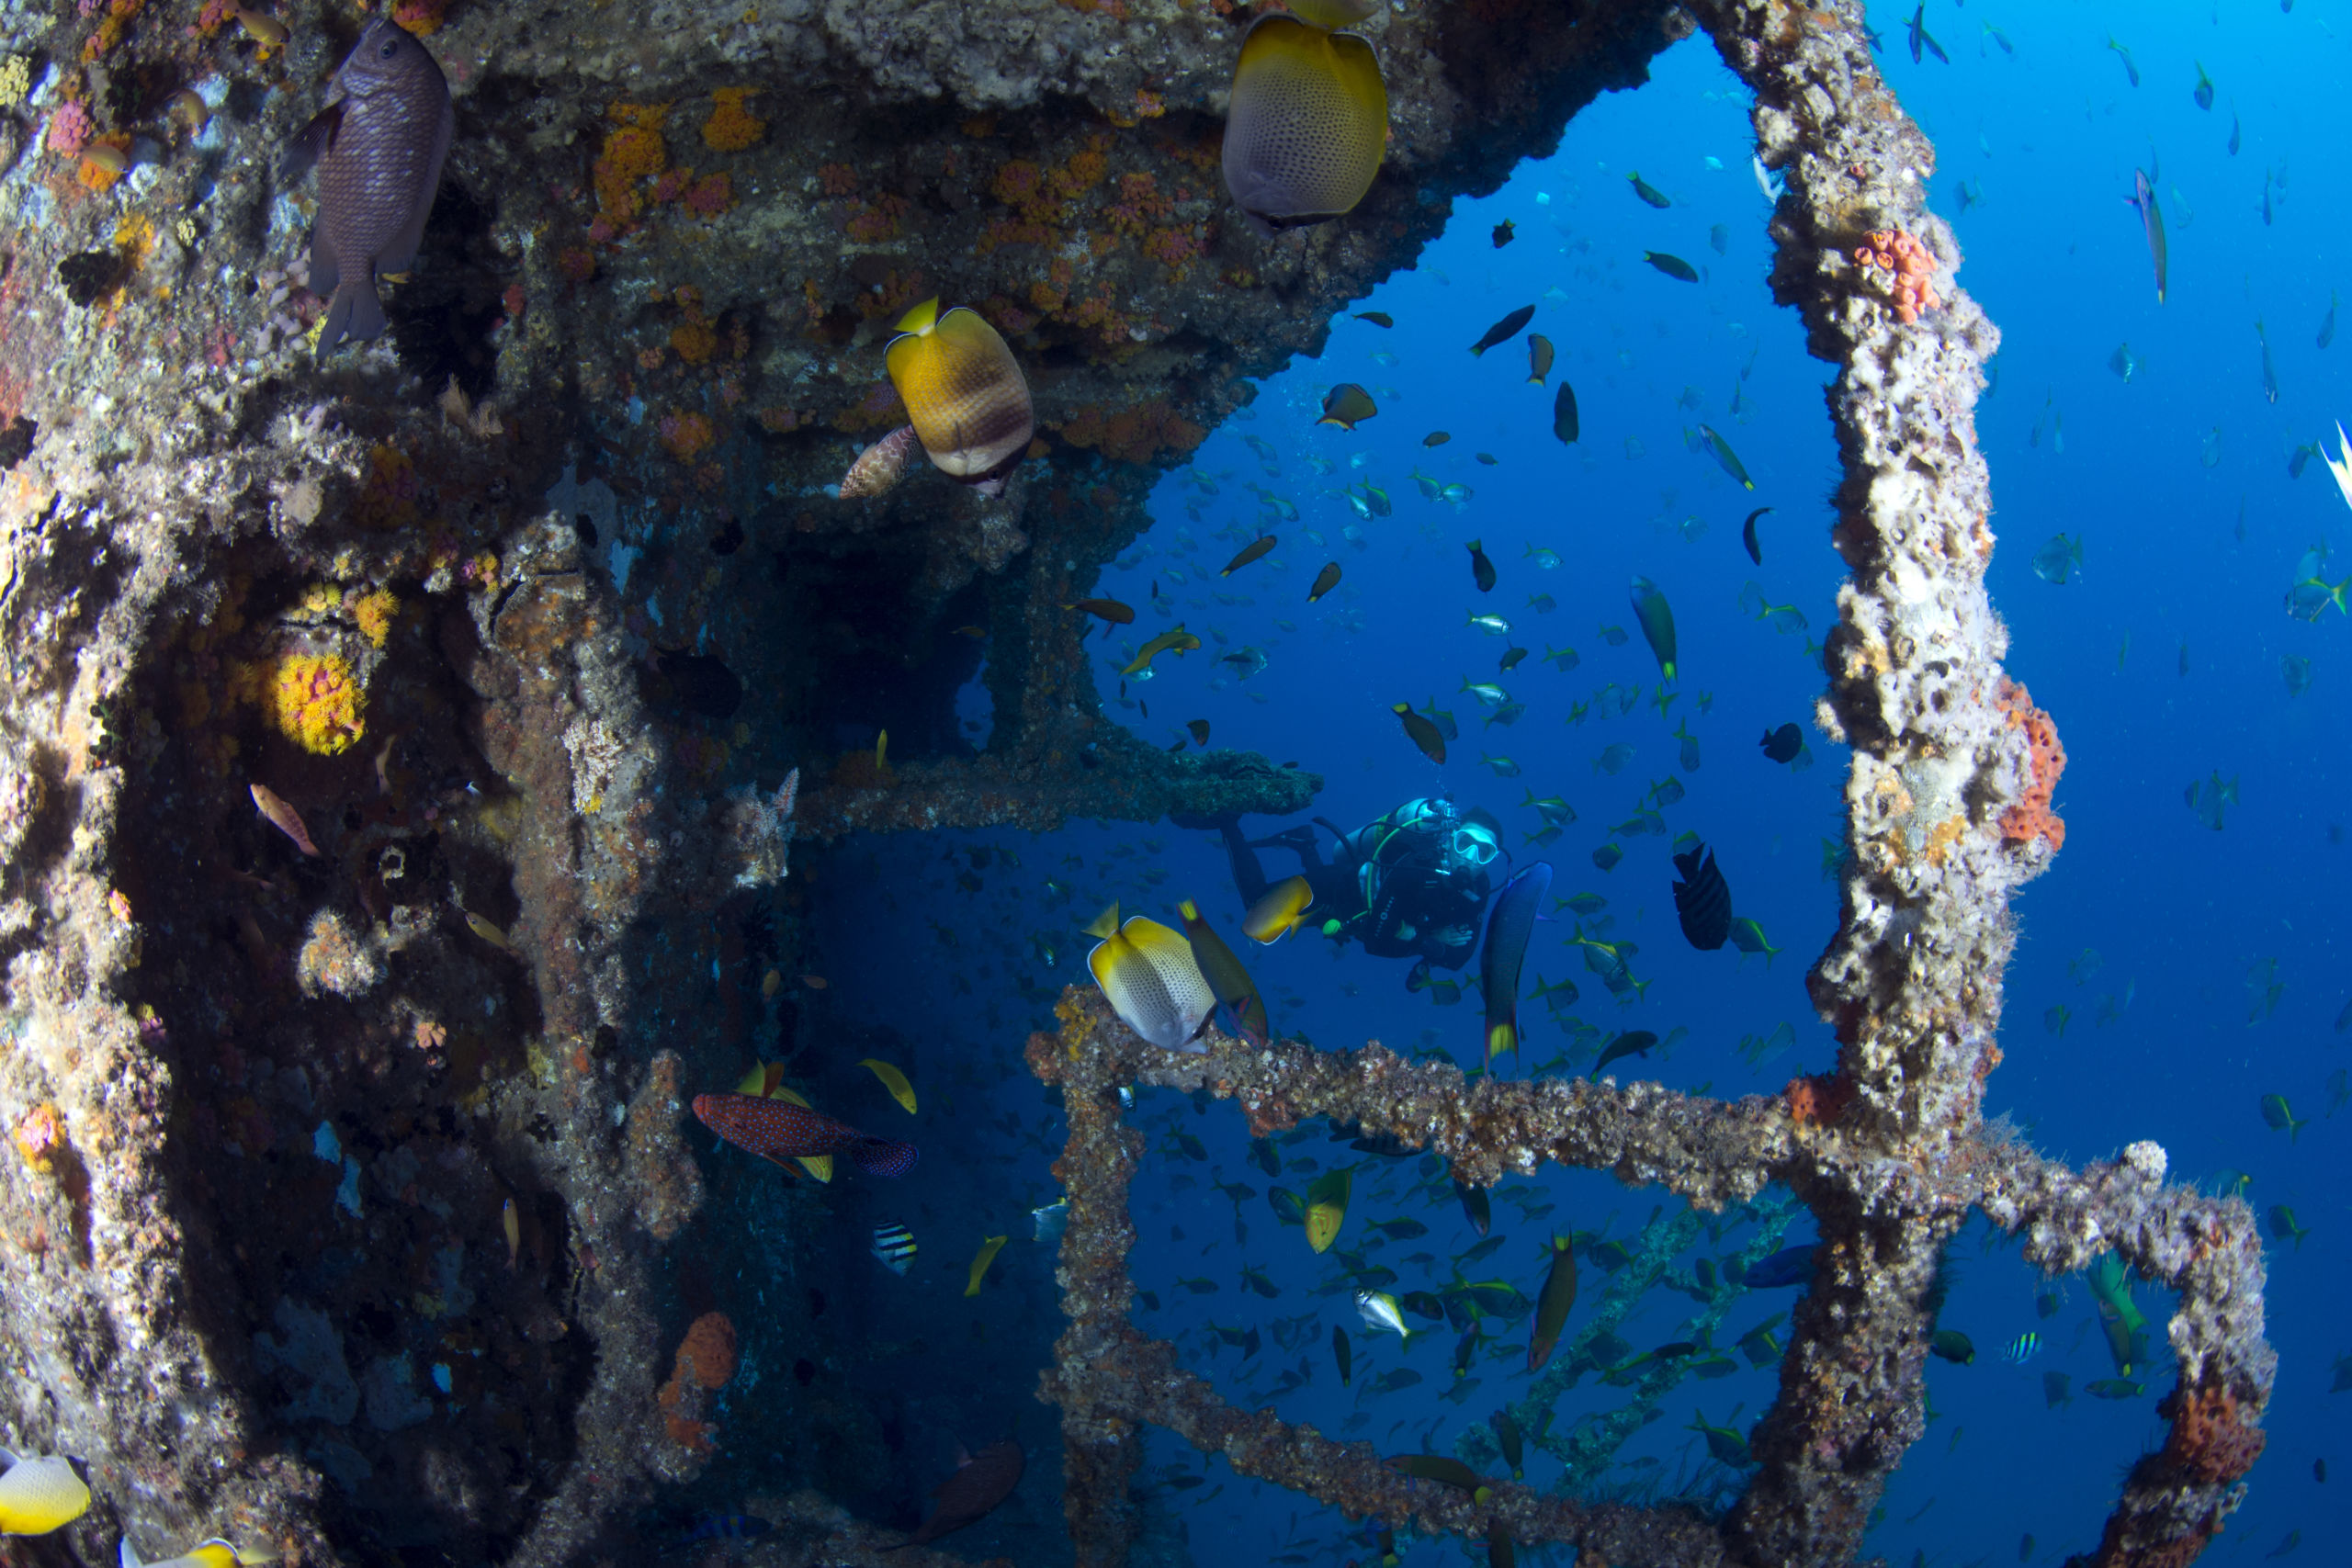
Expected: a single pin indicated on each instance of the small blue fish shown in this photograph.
(2021, 1349)
(1791, 1266)
(728, 1527)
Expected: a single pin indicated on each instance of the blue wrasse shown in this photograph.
(1657, 618)
(2152, 221)
(1510, 923)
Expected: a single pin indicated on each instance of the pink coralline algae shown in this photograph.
(69, 127)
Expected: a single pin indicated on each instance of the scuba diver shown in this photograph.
(1410, 884)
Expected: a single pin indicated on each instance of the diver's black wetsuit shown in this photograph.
(1397, 884)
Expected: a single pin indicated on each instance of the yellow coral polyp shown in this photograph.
(316, 701)
(731, 126)
(374, 614)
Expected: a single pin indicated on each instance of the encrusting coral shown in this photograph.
(2031, 814)
(1908, 268)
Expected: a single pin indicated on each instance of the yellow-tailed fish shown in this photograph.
(1379, 1310)
(1305, 125)
(1281, 912)
(39, 1495)
(1422, 733)
(894, 1080)
(2341, 464)
(1176, 638)
(1326, 1208)
(981, 1261)
(1514, 1443)
(1503, 331)
(1657, 623)
(1328, 579)
(213, 1553)
(1552, 1308)
(964, 391)
(1539, 357)
(1151, 978)
(1727, 460)
(1347, 405)
(1235, 990)
(1254, 550)
(766, 1082)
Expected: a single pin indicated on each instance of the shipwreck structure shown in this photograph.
(390, 848)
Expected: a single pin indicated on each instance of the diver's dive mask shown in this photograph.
(1474, 846)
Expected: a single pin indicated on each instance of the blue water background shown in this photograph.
(2160, 661)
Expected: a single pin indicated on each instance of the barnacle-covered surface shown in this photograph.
(356, 1177)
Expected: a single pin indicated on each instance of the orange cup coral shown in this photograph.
(1910, 268)
(731, 126)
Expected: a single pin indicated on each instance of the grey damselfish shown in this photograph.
(378, 143)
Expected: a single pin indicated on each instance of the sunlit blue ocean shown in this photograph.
(2171, 972)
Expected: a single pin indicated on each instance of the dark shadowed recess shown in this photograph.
(290, 1060)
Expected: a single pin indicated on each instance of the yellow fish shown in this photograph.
(965, 393)
(1151, 978)
(1178, 638)
(981, 1261)
(894, 1080)
(1281, 912)
(1326, 1207)
(213, 1553)
(766, 1081)
(487, 932)
(514, 1227)
(1307, 123)
(37, 1495)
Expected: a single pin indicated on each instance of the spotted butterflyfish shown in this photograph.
(39, 1495)
(965, 393)
(1306, 125)
(778, 1131)
(1151, 978)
